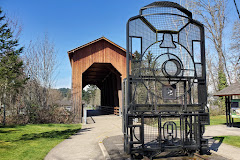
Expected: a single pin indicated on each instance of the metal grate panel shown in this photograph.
(165, 96)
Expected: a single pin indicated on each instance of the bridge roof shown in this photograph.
(94, 41)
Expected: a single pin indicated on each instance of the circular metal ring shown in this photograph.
(171, 67)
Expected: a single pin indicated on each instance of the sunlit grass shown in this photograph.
(231, 140)
(33, 141)
(221, 119)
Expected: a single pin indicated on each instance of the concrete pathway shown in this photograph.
(217, 146)
(85, 144)
(222, 130)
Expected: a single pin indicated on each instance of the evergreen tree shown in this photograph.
(222, 80)
(11, 67)
(137, 55)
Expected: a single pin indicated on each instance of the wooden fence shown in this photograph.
(110, 110)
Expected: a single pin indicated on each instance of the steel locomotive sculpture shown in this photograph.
(165, 95)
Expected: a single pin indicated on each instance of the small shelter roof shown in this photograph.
(233, 89)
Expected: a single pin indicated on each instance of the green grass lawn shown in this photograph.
(221, 119)
(32, 141)
(231, 140)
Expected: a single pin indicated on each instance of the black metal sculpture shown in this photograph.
(165, 96)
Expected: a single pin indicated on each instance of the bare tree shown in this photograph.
(235, 52)
(15, 25)
(212, 14)
(40, 99)
(212, 71)
(55, 96)
(41, 64)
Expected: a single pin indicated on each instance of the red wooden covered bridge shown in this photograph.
(101, 63)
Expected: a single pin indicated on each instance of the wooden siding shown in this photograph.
(102, 51)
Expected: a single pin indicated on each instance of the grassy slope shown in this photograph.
(32, 141)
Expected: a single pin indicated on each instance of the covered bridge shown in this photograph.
(101, 63)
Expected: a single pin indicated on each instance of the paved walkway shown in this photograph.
(222, 130)
(217, 146)
(85, 144)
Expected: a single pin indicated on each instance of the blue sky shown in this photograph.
(71, 23)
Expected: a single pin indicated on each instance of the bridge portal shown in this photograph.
(101, 63)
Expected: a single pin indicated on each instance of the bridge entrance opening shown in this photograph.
(106, 77)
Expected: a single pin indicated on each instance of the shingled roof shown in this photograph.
(233, 89)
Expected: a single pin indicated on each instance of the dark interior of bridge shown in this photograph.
(107, 79)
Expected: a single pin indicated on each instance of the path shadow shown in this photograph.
(81, 131)
(52, 134)
(235, 124)
(215, 143)
(11, 126)
(65, 134)
(8, 131)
